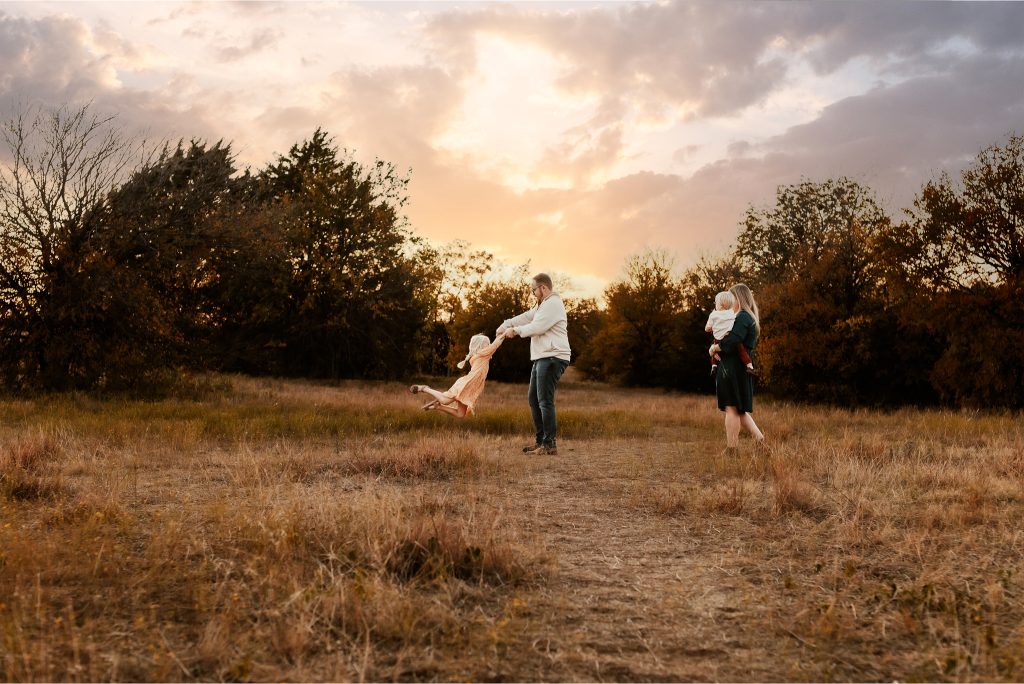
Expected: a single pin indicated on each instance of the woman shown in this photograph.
(735, 387)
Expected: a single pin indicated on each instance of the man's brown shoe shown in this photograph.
(531, 448)
(542, 450)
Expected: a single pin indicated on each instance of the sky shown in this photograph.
(570, 135)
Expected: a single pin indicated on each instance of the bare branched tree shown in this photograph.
(61, 165)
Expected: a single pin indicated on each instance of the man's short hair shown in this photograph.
(543, 279)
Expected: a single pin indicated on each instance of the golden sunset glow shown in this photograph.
(569, 135)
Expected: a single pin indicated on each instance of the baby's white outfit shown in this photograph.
(721, 321)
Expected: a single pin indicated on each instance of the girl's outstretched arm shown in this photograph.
(487, 351)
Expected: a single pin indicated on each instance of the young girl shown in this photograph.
(461, 397)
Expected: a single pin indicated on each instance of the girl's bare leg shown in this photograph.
(459, 410)
(747, 421)
(732, 427)
(441, 398)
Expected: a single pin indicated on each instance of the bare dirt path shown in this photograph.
(634, 595)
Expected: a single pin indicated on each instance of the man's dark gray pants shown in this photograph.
(543, 380)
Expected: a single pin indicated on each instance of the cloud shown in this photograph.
(684, 153)
(703, 59)
(835, 33)
(259, 41)
(49, 56)
(887, 93)
(898, 136)
(891, 137)
(949, 82)
(58, 60)
(582, 154)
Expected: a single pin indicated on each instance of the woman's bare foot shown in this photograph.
(430, 406)
(414, 389)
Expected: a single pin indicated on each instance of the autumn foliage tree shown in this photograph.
(812, 261)
(855, 308)
(450, 275)
(957, 266)
(485, 308)
(639, 337)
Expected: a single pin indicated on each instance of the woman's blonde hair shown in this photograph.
(476, 343)
(747, 302)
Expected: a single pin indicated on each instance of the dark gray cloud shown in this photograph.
(724, 56)
(892, 139)
(47, 57)
(898, 136)
(836, 32)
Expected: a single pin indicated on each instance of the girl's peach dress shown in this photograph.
(467, 389)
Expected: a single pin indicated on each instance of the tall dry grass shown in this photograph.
(263, 535)
(892, 541)
(289, 530)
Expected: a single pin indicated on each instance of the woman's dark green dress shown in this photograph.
(735, 387)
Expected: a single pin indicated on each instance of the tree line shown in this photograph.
(123, 264)
(857, 308)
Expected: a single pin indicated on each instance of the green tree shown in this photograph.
(639, 339)
(485, 309)
(205, 247)
(353, 309)
(449, 274)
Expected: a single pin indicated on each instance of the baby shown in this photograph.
(720, 324)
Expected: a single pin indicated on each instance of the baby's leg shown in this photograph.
(744, 355)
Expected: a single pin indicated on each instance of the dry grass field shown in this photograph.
(273, 530)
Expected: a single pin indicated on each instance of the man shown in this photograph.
(546, 326)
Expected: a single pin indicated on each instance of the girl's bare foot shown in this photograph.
(414, 389)
(430, 406)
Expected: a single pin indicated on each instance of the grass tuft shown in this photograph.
(424, 458)
(30, 470)
(791, 492)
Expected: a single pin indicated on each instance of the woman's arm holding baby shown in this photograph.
(739, 332)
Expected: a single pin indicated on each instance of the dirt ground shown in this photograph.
(255, 536)
(640, 596)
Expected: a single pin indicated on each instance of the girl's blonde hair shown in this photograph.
(476, 343)
(747, 303)
(724, 300)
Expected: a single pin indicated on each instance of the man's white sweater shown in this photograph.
(546, 326)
